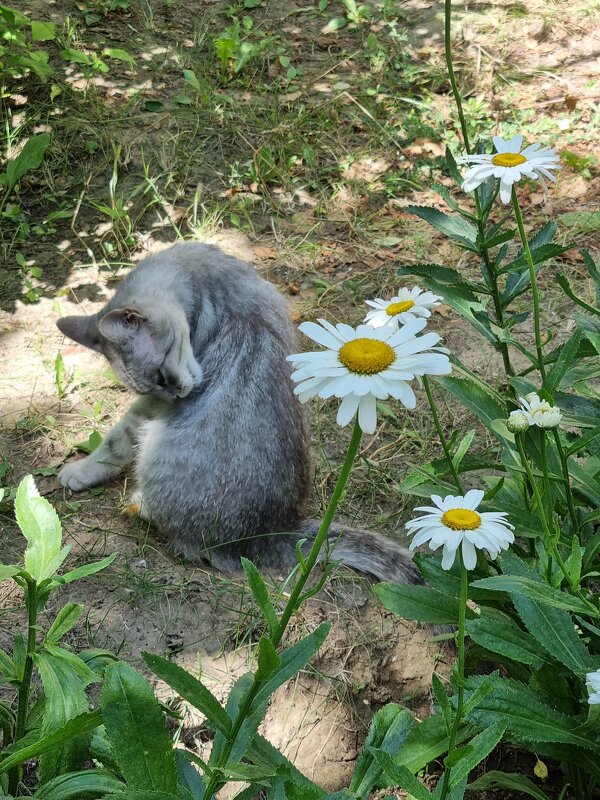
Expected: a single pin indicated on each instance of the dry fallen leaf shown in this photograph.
(443, 311)
(263, 251)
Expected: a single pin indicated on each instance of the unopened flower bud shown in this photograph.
(540, 770)
(518, 421)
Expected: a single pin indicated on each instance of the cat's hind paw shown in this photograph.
(136, 507)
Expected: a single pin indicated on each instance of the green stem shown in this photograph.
(549, 511)
(551, 545)
(293, 603)
(460, 681)
(440, 433)
(565, 471)
(488, 268)
(534, 287)
(31, 599)
(451, 75)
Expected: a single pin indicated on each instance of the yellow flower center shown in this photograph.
(508, 159)
(398, 308)
(461, 519)
(366, 356)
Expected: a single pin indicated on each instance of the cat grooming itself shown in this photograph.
(219, 441)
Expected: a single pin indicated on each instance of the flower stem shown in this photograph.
(214, 784)
(440, 433)
(31, 599)
(551, 544)
(487, 265)
(534, 288)
(565, 471)
(460, 678)
(451, 75)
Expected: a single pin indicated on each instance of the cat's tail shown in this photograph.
(365, 551)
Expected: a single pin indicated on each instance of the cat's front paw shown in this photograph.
(82, 475)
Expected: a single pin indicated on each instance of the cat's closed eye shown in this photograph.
(160, 380)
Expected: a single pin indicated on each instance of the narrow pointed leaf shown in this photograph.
(78, 726)
(399, 775)
(191, 689)
(79, 786)
(261, 594)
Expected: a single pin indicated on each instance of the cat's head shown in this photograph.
(140, 350)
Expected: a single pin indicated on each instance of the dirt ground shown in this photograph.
(327, 243)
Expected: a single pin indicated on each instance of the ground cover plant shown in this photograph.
(525, 611)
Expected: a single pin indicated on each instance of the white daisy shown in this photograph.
(592, 681)
(407, 305)
(510, 164)
(539, 412)
(365, 364)
(453, 521)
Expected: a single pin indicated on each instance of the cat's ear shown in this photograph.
(120, 324)
(81, 329)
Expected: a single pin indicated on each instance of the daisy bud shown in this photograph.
(518, 421)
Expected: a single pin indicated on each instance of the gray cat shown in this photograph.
(220, 442)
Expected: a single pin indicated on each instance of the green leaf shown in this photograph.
(7, 666)
(541, 593)
(293, 659)
(427, 741)
(262, 751)
(87, 569)
(191, 690)
(475, 398)
(189, 777)
(64, 621)
(8, 570)
(144, 794)
(462, 449)
(552, 627)
(42, 31)
(563, 282)
(119, 55)
(453, 168)
(268, 660)
(444, 277)
(261, 594)
(539, 255)
(456, 228)
(190, 77)
(75, 56)
(566, 358)
(65, 699)
(419, 603)
(513, 781)
(79, 726)
(136, 729)
(442, 700)
(399, 775)
(77, 664)
(479, 748)
(498, 633)
(41, 527)
(389, 728)
(334, 25)
(528, 718)
(79, 786)
(30, 157)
